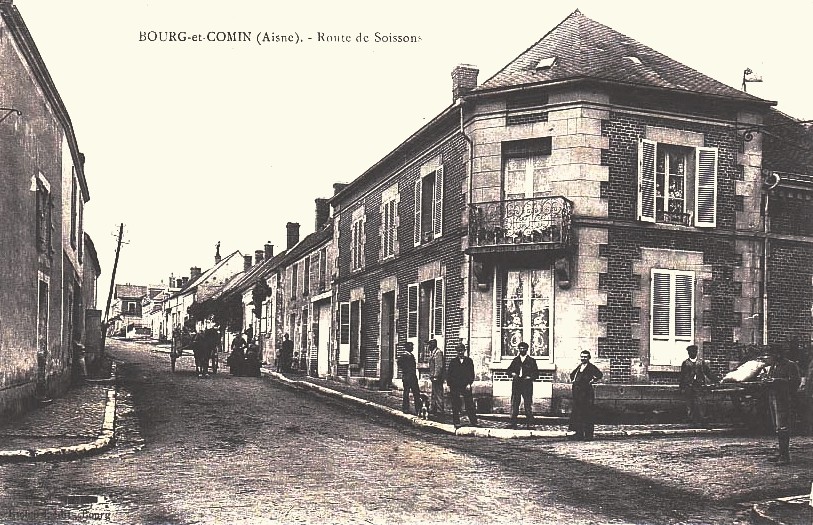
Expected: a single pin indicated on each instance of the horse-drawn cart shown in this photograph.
(204, 346)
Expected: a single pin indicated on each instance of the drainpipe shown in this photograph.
(771, 182)
(469, 171)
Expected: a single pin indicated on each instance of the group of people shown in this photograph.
(523, 370)
(244, 359)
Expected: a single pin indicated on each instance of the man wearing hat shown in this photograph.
(460, 377)
(695, 375)
(782, 379)
(409, 376)
(523, 372)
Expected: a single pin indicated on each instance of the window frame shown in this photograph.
(436, 215)
(500, 279)
(434, 314)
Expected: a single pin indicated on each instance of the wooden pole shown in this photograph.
(112, 280)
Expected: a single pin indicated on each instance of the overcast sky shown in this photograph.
(191, 143)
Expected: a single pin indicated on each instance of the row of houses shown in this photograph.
(48, 315)
(593, 194)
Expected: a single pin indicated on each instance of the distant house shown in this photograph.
(42, 306)
(127, 310)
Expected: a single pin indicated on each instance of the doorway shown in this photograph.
(387, 338)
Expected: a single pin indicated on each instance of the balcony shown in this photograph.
(520, 225)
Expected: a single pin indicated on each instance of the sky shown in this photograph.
(193, 143)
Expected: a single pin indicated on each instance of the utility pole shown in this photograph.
(113, 280)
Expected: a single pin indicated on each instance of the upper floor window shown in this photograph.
(526, 169)
(45, 209)
(389, 230)
(294, 278)
(429, 206)
(357, 239)
(677, 184)
(306, 276)
(74, 213)
(322, 269)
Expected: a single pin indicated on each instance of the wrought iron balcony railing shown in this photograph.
(535, 221)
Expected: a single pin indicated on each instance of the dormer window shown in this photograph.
(546, 63)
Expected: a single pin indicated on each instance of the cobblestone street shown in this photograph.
(236, 449)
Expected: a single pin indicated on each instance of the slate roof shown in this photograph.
(787, 147)
(130, 291)
(587, 50)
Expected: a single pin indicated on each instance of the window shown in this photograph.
(357, 240)
(350, 332)
(131, 307)
(425, 315)
(523, 311)
(322, 269)
(73, 212)
(389, 230)
(304, 342)
(45, 208)
(672, 315)
(306, 277)
(294, 272)
(42, 319)
(525, 164)
(429, 206)
(677, 184)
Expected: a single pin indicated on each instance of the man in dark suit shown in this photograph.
(582, 416)
(523, 372)
(459, 377)
(409, 375)
(287, 353)
(782, 379)
(695, 375)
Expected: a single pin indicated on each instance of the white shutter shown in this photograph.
(705, 210)
(344, 333)
(438, 313)
(661, 305)
(684, 307)
(496, 335)
(437, 217)
(646, 180)
(417, 212)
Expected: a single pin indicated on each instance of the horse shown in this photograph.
(204, 348)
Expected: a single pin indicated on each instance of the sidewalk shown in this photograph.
(80, 423)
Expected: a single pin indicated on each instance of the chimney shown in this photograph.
(258, 256)
(184, 281)
(217, 253)
(322, 213)
(269, 250)
(246, 262)
(464, 79)
(194, 273)
(293, 234)
(339, 186)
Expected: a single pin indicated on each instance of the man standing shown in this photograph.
(460, 377)
(783, 380)
(287, 353)
(409, 376)
(437, 365)
(695, 374)
(523, 371)
(582, 418)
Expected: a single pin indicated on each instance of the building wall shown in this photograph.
(30, 146)
(439, 257)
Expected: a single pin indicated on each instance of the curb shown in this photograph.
(105, 439)
(772, 511)
(500, 433)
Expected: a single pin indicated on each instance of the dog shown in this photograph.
(424, 406)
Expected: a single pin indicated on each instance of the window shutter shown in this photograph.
(646, 180)
(496, 336)
(344, 333)
(437, 328)
(418, 211)
(437, 217)
(661, 304)
(705, 211)
(684, 307)
(412, 311)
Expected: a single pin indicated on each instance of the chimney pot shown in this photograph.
(464, 79)
(269, 251)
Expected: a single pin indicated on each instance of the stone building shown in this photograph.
(42, 307)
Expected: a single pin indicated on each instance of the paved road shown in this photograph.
(248, 450)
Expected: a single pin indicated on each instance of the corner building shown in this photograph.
(593, 195)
